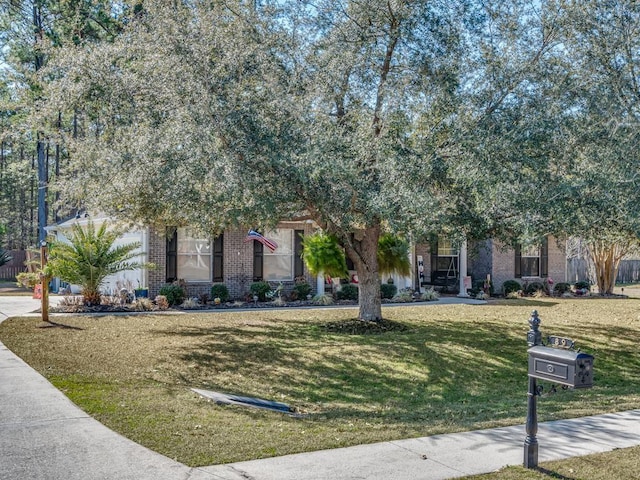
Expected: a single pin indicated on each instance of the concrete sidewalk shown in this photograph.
(43, 435)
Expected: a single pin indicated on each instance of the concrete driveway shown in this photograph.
(13, 306)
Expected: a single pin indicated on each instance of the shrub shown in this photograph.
(260, 289)
(142, 304)
(561, 288)
(28, 279)
(301, 290)
(348, 292)
(583, 285)
(511, 286)
(323, 299)
(430, 295)
(220, 290)
(405, 295)
(161, 302)
(534, 287)
(388, 290)
(190, 304)
(173, 293)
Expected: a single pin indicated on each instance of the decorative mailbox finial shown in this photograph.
(534, 335)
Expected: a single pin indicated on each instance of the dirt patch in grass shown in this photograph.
(453, 368)
(354, 326)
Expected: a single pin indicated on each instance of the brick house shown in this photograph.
(441, 263)
(181, 254)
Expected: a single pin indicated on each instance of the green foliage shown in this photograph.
(393, 255)
(174, 294)
(260, 289)
(28, 279)
(220, 290)
(348, 291)
(4, 257)
(511, 286)
(323, 253)
(582, 285)
(322, 299)
(561, 287)
(388, 290)
(301, 290)
(90, 257)
(404, 295)
(430, 295)
(532, 288)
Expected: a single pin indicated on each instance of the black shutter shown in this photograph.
(544, 258)
(434, 255)
(218, 258)
(298, 264)
(172, 255)
(518, 261)
(258, 249)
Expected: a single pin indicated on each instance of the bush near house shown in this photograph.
(511, 286)
(561, 288)
(173, 293)
(583, 285)
(388, 290)
(260, 289)
(348, 292)
(301, 290)
(533, 287)
(220, 290)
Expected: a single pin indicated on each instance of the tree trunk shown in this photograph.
(363, 251)
(606, 260)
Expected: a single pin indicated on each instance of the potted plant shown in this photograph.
(141, 292)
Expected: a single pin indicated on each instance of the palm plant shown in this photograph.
(4, 257)
(323, 254)
(393, 255)
(90, 257)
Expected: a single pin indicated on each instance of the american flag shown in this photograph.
(253, 235)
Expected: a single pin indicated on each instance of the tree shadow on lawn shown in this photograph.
(427, 373)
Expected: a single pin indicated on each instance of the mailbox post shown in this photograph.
(560, 365)
(534, 338)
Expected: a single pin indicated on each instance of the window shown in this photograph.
(278, 265)
(532, 261)
(283, 264)
(444, 258)
(194, 256)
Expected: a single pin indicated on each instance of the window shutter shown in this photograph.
(518, 262)
(172, 255)
(258, 249)
(544, 258)
(298, 264)
(434, 255)
(218, 258)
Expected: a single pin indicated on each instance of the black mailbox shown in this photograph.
(566, 367)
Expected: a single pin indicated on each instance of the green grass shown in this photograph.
(623, 464)
(454, 368)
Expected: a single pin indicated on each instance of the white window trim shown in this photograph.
(278, 253)
(183, 235)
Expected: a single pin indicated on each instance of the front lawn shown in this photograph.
(453, 368)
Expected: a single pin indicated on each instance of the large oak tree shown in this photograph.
(360, 113)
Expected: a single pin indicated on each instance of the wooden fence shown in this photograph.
(10, 270)
(578, 270)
